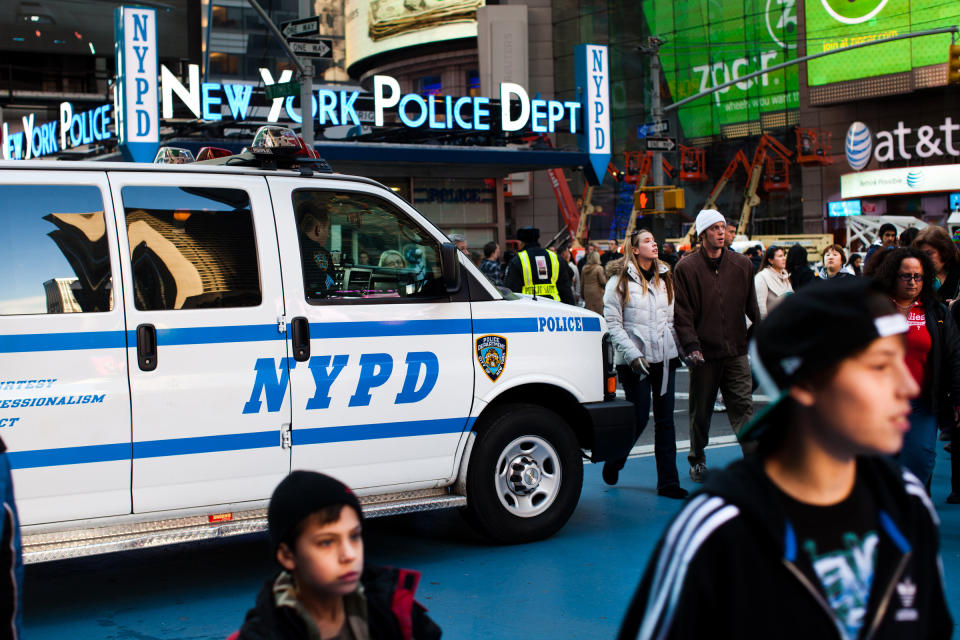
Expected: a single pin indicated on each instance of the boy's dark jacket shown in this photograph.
(392, 613)
(723, 567)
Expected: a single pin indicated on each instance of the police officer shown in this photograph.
(536, 271)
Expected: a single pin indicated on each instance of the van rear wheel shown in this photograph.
(524, 475)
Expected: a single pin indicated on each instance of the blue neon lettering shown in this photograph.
(415, 361)
(420, 102)
(323, 378)
(457, 106)
(208, 101)
(238, 99)
(481, 109)
(328, 107)
(574, 118)
(555, 115)
(288, 105)
(375, 369)
(432, 110)
(347, 109)
(267, 383)
(538, 113)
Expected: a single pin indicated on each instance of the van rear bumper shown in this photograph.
(612, 427)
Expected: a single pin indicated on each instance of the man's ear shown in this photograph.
(803, 395)
(285, 557)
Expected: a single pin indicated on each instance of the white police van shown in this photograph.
(175, 339)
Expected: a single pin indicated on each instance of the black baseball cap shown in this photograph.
(809, 332)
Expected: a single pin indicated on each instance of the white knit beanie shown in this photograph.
(707, 218)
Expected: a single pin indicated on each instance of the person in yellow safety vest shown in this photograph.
(537, 271)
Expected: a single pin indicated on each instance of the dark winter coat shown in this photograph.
(801, 276)
(943, 392)
(726, 569)
(392, 613)
(712, 306)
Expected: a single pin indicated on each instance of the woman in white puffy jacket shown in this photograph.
(772, 282)
(638, 308)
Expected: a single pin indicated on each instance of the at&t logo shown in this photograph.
(858, 145)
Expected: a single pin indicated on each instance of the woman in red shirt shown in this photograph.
(933, 354)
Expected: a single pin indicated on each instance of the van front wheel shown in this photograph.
(525, 474)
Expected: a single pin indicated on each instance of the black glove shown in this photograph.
(640, 367)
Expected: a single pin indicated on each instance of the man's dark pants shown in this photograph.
(731, 376)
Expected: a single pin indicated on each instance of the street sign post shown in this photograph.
(311, 48)
(299, 28)
(661, 144)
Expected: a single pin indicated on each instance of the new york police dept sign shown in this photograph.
(136, 96)
(593, 85)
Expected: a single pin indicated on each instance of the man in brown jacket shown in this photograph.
(714, 298)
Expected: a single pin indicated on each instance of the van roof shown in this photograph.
(91, 165)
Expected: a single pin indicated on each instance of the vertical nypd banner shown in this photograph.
(593, 86)
(136, 95)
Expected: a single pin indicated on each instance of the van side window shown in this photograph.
(191, 248)
(358, 246)
(54, 250)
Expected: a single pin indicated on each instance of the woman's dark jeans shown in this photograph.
(639, 392)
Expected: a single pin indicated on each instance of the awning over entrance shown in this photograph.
(421, 161)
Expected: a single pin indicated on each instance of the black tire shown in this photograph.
(546, 446)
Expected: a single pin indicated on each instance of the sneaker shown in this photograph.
(953, 498)
(674, 491)
(610, 474)
(698, 472)
(719, 407)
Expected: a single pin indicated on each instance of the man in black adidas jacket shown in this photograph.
(819, 535)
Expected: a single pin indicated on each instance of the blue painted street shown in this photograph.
(574, 585)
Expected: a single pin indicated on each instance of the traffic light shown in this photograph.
(953, 65)
(643, 200)
(673, 199)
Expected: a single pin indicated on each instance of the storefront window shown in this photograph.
(449, 203)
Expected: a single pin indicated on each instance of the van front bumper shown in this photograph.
(613, 429)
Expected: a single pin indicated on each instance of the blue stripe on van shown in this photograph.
(27, 342)
(356, 432)
(206, 444)
(69, 455)
(24, 342)
(231, 442)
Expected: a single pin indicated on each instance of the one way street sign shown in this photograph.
(299, 28)
(312, 48)
(661, 144)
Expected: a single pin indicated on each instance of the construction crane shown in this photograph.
(770, 155)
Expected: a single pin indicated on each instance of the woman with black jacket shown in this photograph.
(936, 243)
(933, 354)
(800, 272)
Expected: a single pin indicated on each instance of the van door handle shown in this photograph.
(300, 338)
(147, 347)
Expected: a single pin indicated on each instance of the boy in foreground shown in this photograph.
(819, 535)
(323, 591)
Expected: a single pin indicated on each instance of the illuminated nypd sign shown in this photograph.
(73, 130)
(136, 90)
(593, 83)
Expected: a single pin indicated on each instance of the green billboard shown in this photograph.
(710, 42)
(831, 24)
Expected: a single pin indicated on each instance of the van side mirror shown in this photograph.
(450, 266)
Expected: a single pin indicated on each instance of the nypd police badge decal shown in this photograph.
(492, 354)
